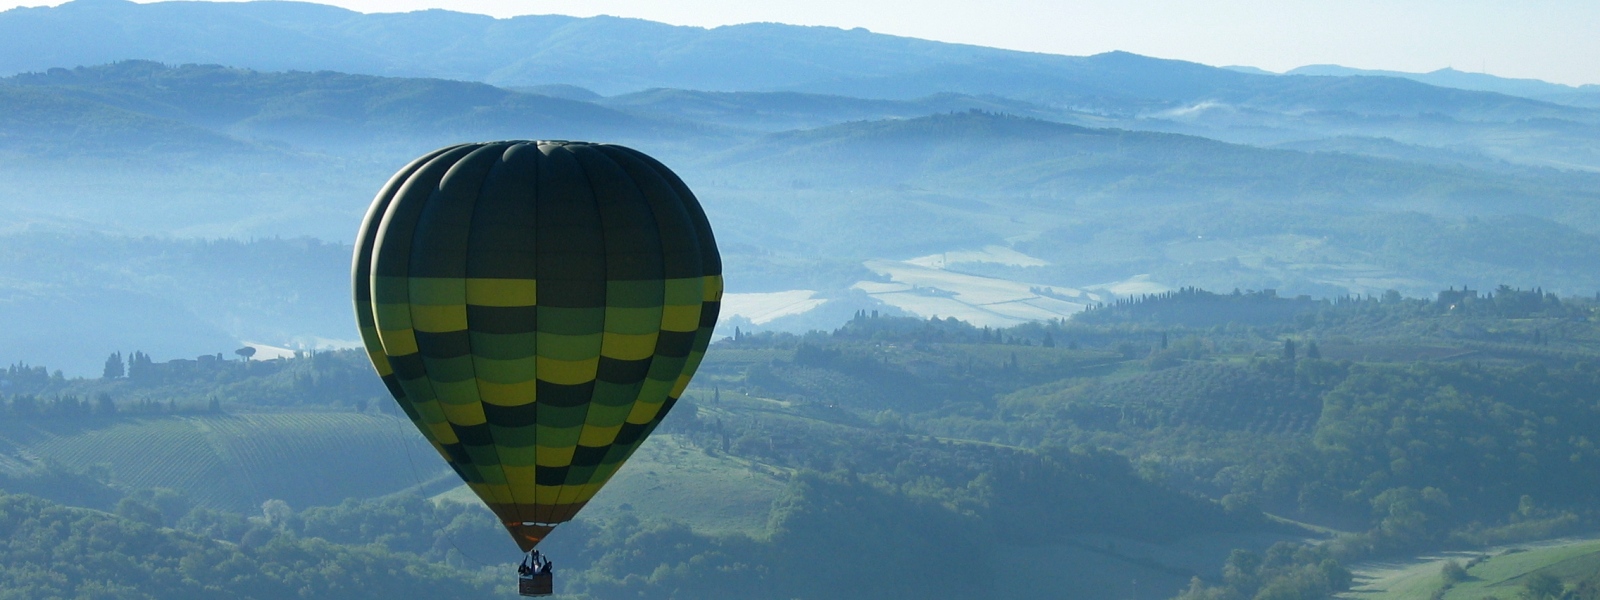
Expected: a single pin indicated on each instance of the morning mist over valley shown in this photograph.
(733, 308)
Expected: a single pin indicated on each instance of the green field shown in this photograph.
(1500, 575)
(236, 462)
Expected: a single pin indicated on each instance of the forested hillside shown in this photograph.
(997, 324)
(54, 551)
(1143, 441)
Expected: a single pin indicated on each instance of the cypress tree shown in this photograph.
(114, 368)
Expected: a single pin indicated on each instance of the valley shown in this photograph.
(994, 324)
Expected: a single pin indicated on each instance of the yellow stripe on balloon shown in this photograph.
(439, 319)
(465, 415)
(628, 347)
(567, 372)
(555, 457)
(713, 289)
(643, 412)
(444, 433)
(681, 319)
(596, 437)
(398, 342)
(505, 293)
(508, 394)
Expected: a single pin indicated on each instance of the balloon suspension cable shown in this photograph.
(416, 478)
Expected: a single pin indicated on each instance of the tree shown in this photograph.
(24, 406)
(1312, 351)
(246, 352)
(1288, 349)
(114, 368)
(276, 513)
(139, 511)
(140, 366)
(104, 406)
(1542, 586)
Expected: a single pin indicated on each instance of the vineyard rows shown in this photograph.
(1205, 395)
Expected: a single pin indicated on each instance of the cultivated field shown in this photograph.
(763, 307)
(928, 291)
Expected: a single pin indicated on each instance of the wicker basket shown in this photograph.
(536, 585)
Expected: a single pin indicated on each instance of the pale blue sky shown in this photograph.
(1554, 40)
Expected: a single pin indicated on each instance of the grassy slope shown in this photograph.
(1500, 576)
(237, 462)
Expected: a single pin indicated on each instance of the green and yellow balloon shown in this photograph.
(536, 308)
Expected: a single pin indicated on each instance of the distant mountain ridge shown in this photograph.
(359, 120)
(323, 107)
(781, 111)
(46, 123)
(612, 56)
(1585, 96)
(628, 79)
(607, 54)
(980, 151)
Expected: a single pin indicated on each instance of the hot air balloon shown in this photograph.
(536, 308)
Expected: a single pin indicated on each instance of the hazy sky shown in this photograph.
(1554, 40)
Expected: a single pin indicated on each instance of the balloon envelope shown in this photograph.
(536, 308)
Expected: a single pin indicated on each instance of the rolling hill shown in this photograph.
(1586, 96)
(796, 210)
(783, 111)
(611, 55)
(1008, 176)
(237, 462)
(312, 430)
(991, 152)
(1105, 169)
(51, 124)
(756, 496)
(614, 56)
(327, 109)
